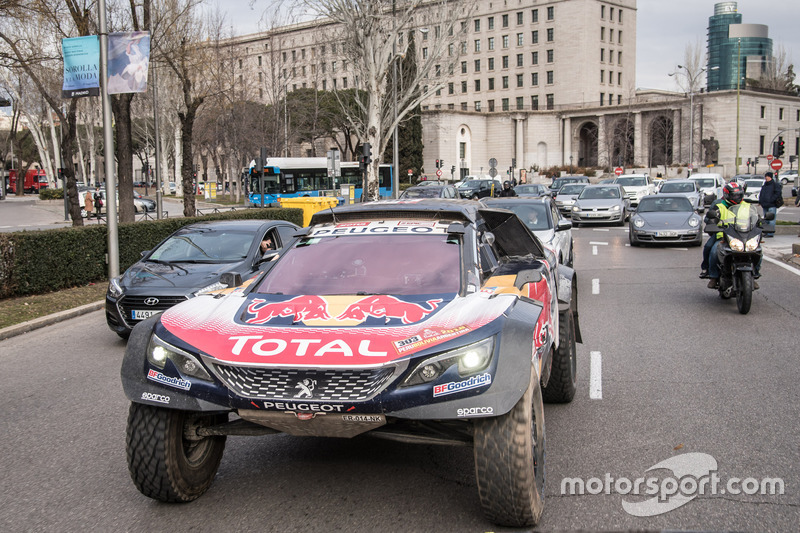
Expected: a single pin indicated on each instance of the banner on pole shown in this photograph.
(128, 59)
(81, 66)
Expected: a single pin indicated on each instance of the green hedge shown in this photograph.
(51, 194)
(35, 262)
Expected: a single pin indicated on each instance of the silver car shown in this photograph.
(687, 188)
(566, 197)
(667, 219)
(601, 203)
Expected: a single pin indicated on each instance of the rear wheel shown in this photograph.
(744, 298)
(509, 461)
(167, 460)
(564, 370)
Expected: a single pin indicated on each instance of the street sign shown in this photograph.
(492, 163)
(691, 167)
(776, 164)
(493, 171)
(618, 171)
(410, 172)
(438, 172)
(770, 157)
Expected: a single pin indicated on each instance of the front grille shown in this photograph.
(127, 304)
(285, 383)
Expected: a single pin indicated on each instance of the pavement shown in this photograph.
(782, 249)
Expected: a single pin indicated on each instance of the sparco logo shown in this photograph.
(151, 301)
(155, 397)
(475, 411)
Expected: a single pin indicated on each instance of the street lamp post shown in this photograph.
(692, 81)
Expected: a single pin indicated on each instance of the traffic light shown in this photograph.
(779, 148)
(441, 163)
(437, 164)
(61, 175)
(453, 169)
(792, 158)
(755, 161)
(514, 162)
(367, 151)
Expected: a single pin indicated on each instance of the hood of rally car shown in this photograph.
(311, 330)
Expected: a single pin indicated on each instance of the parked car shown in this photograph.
(429, 321)
(531, 190)
(190, 262)
(141, 204)
(563, 180)
(480, 188)
(601, 203)
(687, 188)
(566, 197)
(710, 185)
(788, 177)
(542, 217)
(752, 188)
(636, 186)
(429, 191)
(666, 219)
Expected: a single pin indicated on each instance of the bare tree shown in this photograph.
(369, 33)
(777, 73)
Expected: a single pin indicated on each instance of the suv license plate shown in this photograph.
(142, 315)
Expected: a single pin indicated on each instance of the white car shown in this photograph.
(790, 176)
(710, 185)
(753, 189)
(636, 186)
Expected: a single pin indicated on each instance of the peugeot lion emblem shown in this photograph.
(305, 386)
(151, 301)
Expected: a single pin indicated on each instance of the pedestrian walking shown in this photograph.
(88, 203)
(98, 201)
(770, 199)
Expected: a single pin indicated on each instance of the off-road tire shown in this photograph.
(509, 462)
(564, 370)
(164, 462)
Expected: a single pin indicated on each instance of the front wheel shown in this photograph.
(509, 461)
(167, 460)
(744, 298)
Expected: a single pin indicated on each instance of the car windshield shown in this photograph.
(529, 189)
(575, 188)
(205, 245)
(754, 183)
(677, 187)
(649, 204)
(368, 264)
(421, 192)
(632, 182)
(532, 215)
(596, 193)
(705, 182)
(472, 184)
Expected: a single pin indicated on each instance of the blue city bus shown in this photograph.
(293, 177)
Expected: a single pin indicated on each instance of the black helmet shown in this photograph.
(506, 184)
(733, 193)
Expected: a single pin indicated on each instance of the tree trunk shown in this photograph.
(67, 151)
(123, 151)
(187, 127)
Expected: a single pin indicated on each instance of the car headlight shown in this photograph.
(752, 244)
(638, 222)
(159, 351)
(694, 222)
(114, 288)
(735, 244)
(576, 208)
(470, 360)
(615, 208)
(211, 288)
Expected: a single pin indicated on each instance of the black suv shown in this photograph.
(474, 189)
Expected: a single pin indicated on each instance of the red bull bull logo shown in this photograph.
(383, 306)
(302, 308)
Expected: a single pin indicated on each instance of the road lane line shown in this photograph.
(595, 286)
(596, 376)
(601, 229)
(601, 243)
(782, 265)
(594, 250)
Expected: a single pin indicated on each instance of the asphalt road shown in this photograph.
(681, 371)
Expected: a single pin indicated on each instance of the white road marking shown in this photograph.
(627, 244)
(782, 265)
(594, 250)
(599, 242)
(601, 229)
(595, 286)
(596, 376)
(682, 249)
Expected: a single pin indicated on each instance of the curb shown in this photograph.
(36, 323)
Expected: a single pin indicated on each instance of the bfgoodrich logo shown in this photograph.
(693, 475)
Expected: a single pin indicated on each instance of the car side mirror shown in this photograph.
(564, 225)
(231, 279)
(144, 253)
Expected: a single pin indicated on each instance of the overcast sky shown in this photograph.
(664, 28)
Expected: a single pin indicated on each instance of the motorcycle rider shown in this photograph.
(721, 212)
(711, 217)
(507, 190)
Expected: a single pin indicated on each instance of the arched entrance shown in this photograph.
(622, 137)
(587, 145)
(661, 141)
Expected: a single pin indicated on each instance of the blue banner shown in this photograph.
(128, 60)
(81, 66)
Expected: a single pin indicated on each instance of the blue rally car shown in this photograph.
(428, 320)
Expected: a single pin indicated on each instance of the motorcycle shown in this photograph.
(739, 253)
